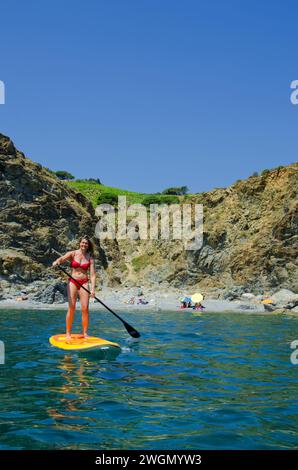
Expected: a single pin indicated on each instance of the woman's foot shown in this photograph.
(86, 336)
(68, 337)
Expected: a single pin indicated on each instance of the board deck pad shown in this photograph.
(79, 343)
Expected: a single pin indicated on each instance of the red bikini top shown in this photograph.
(76, 264)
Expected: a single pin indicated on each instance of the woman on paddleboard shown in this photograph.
(81, 261)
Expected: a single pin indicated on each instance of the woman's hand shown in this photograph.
(55, 263)
(92, 293)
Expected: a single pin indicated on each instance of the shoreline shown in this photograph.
(53, 296)
(167, 305)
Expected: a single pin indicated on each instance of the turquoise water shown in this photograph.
(208, 381)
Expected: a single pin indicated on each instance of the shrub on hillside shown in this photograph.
(89, 180)
(107, 198)
(64, 175)
(156, 199)
(176, 191)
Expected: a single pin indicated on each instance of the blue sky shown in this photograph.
(147, 94)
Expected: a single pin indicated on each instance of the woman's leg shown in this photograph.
(84, 299)
(72, 292)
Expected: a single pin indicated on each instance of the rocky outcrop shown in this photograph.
(250, 234)
(37, 212)
(285, 299)
(54, 293)
(250, 242)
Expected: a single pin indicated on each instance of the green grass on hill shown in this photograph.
(93, 191)
(99, 193)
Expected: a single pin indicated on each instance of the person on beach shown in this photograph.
(185, 302)
(198, 306)
(81, 261)
(140, 292)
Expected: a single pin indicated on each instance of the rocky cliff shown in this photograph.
(37, 212)
(250, 241)
(250, 233)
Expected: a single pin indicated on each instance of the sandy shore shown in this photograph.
(168, 302)
(119, 300)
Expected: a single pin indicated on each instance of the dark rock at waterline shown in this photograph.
(269, 307)
(292, 305)
(54, 293)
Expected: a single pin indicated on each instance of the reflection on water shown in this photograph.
(191, 382)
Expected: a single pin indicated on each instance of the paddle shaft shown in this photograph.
(134, 333)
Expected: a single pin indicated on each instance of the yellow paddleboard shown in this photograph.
(79, 343)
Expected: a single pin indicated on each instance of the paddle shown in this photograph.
(134, 333)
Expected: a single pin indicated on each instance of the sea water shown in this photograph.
(193, 381)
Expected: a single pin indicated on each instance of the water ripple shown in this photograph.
(213, 382)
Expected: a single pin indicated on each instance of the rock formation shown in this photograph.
(38, 212)
(250, 241)
(250, 234)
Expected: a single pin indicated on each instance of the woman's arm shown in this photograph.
(62, 259)
(93, 277)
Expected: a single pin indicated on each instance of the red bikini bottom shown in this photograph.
(78, 282)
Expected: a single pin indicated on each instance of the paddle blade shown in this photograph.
(130, 330)
(134, 333)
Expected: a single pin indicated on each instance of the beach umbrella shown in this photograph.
(267, 301)
(185, 299)
(196, 298)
